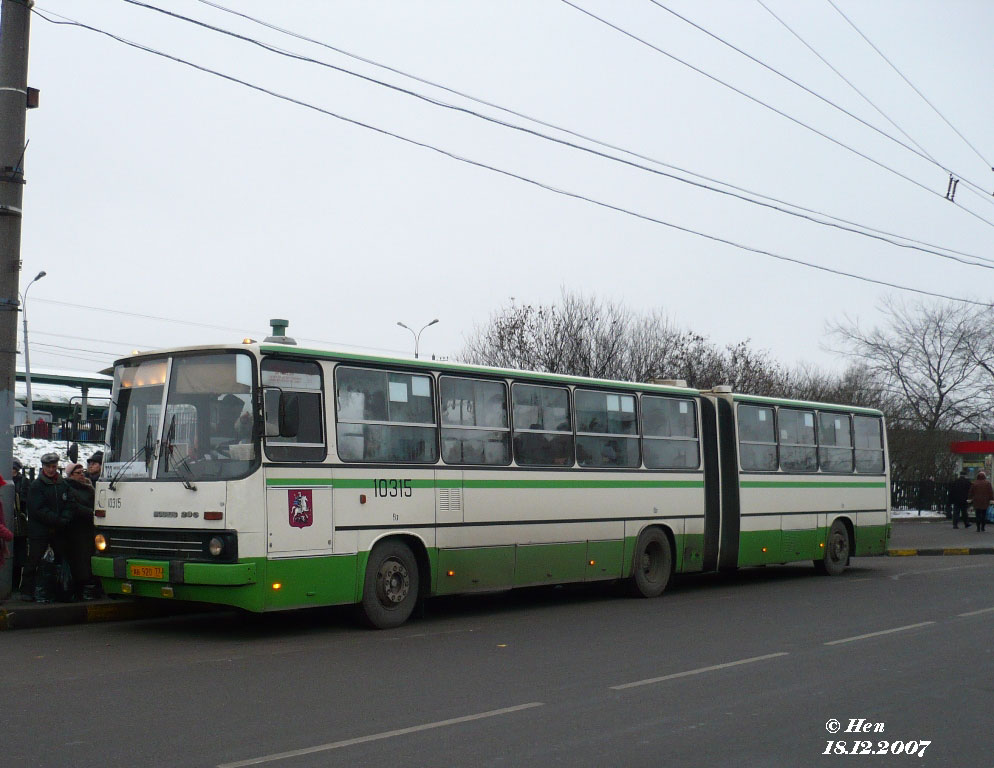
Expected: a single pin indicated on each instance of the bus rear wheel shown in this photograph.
(653, 563)
(390, 588)
(836, 550)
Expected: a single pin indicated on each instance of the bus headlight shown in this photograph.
(215, 547)
(100, 542)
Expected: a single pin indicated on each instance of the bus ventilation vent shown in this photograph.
(450, 499)
(669, 382)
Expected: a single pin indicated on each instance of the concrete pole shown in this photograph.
(15, 23)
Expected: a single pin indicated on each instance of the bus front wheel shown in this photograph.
(390, 589)
(653, 563)
(836, 550)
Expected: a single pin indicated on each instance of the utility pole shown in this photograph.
(15, 22)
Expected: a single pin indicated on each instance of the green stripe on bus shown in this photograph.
(286, 482)
(808, 484)
(583, 483)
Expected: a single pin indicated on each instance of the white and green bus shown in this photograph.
(269, 476)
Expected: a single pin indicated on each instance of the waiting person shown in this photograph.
(958, 495)
(981, 496)
(6, 535)
(48, 518)
(20, 529)
(79, 533)
(94, 465)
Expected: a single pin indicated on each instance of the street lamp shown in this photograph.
(27, 358)
(417, 336)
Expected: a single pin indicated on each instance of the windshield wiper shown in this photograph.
(182, 462)
(146, 449)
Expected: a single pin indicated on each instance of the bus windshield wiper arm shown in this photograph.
(181, 460)
(139, 452)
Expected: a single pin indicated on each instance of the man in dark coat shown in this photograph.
(93, 466)
(79, 533)
(958, 495)
(981, 496)
(49, 514)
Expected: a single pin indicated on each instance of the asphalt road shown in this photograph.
(737, 670)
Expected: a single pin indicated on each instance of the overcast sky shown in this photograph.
(156, 189)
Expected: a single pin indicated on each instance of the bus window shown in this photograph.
(669, 433)
(475, 427)
(869, 444)
(543, 435)
(301, 381)
(798, 452)
(834, 442)
(385, 416)
(606, 429)
(757, 438)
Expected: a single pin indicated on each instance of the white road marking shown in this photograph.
(881, 632)
(940, 570)
(975, 613)
(378, 736)
(433, 634)
(700, 671)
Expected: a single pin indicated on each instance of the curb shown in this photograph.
(930, 551)
(30, 616)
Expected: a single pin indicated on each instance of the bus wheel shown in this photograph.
(390, 589)
(836, 550)
(653, 563)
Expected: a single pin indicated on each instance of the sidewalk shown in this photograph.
(909, 536)
(936, 536)
(16, 614)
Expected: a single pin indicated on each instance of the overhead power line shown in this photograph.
(842, 77)
(770, 107)
(916, 150)
(911, 85)
(129, 345)
(853, 227)
(509, 174)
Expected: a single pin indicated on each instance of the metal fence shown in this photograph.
(925, 495)
(69, 430)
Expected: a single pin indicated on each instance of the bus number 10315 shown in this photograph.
(392, 488)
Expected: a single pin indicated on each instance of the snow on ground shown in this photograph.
(916, 514)
(30, 450)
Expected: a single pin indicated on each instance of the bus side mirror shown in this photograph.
(282, 412)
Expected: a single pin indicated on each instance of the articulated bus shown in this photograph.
(269, 476)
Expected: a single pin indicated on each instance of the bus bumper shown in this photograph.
(225, 583)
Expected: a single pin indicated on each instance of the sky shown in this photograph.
(170, 206)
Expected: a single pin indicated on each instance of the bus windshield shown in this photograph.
(202, 429)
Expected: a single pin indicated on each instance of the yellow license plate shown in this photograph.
(145, 571)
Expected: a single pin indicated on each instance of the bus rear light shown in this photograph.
(100, 513)
(213, 515)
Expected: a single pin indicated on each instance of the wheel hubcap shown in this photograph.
(393, 583)
(650, 563)
(838, 547)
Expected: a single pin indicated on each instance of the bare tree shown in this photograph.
(586, 337)
(923, 361)
(579, 336)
